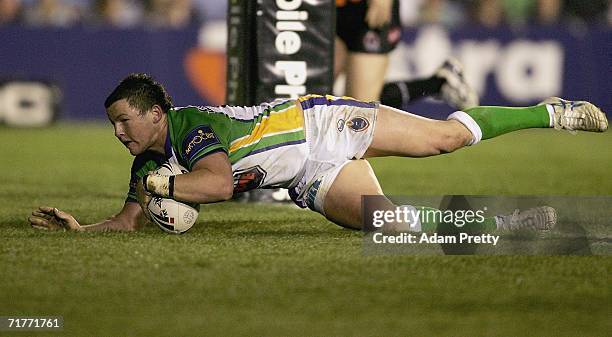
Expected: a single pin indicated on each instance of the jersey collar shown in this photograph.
(168, 146)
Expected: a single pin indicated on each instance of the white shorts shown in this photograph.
(338, 129)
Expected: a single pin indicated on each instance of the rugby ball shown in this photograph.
(170, 215)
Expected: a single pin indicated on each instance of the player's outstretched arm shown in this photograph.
(50, 218)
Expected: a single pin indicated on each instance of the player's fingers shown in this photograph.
(36, 221)
(46, 209)
(61, 214)
(40, 227)
(42, 215)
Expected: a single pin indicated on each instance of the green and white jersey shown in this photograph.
(265, 144)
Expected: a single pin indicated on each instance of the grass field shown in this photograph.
(277, 270)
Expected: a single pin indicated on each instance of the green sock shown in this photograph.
(494, 121)
(430, 223)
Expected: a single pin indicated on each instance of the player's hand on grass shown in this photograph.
(143, 198)
(50, 218)
(379, 13)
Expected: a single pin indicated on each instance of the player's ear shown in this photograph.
(157, 112)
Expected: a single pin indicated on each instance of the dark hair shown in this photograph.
(141, 92)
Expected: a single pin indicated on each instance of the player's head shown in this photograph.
(137, 109)
(142, 92)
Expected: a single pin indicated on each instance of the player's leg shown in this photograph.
(342, 200)
(332, 183)
(491, 121)
(365, 75)
(342, 204)
(399, 133)
(404, 134)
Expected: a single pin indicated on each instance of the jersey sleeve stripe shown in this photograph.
(268, 143)
(199, 156)
(203, 153)
(275, 146)
(289, 120)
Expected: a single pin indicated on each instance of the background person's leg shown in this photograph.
(365, 75)
(340, 55)
(447, 83)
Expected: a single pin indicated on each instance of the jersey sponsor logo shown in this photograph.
(358, 124)
(198, 139)
(249, 179)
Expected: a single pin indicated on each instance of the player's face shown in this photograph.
(136, 131)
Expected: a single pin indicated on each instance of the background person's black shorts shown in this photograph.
(358, 37)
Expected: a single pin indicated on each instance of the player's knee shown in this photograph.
(446, 141)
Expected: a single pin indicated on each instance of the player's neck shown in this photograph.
(160, 138)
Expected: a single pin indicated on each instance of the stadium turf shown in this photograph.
(277, 270)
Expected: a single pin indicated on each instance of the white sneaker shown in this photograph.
(455, 91)
(577, 115)
(539, 218)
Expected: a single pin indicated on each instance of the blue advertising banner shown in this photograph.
(511, 67)
(87, 63)
(507, 67)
